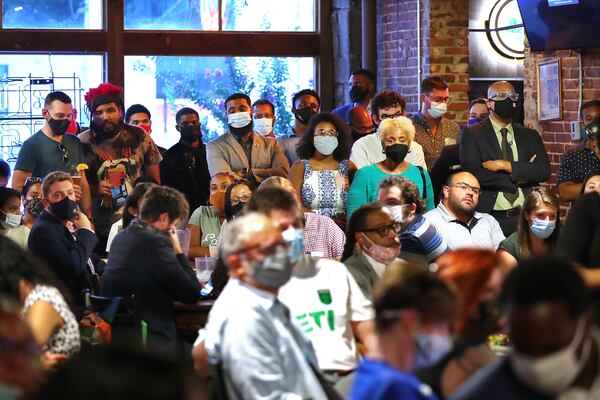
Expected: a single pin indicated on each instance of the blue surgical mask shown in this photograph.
(326, 145)
(11, 220)
(542, 228)
(295, 239)
(430, 348)
(473, 121)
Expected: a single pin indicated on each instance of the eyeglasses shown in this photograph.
(263, 250)
(465, 187)
(64, 153)
(243, 198)
(503, 96)
(383, 230)
(398, 114)
(323, 132)
(438, 99)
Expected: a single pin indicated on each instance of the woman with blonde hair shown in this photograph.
(396, 135)
(539, 228)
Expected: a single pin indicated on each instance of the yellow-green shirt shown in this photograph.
(501, 202)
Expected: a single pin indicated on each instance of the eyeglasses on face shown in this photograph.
(386, 116)
(382, 231)
(503, 96)
(323, 132)
(465, 187)
(65, 154)
(438, 99)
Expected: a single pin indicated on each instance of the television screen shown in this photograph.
(561, 24)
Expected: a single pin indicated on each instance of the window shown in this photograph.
(269, 15)
(52, 14)
(203, 83)
(26, 80)
(172, 15)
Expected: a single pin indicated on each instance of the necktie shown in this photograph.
(508, 156)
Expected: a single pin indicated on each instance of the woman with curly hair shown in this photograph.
(323, 174)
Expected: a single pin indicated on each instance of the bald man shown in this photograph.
(360, 122)
(507, 158)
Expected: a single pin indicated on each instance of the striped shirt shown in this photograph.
(421, 239)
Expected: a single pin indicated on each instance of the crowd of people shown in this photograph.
(367, 254)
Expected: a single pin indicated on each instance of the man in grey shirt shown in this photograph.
(249, 335)
(457, 221)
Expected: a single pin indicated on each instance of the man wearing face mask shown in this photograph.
(432, 130)
(184, 165)
(138, 115)
(409, 303)
(478, 111)
(117, 154)
(50, 150)
(362, 89)
(63, 237)
(149, 243)
(507, 158)
(575, 164)
(418, 237)
(305, 104)
(249, 337)
(263, 118)
(360, 122)
(555, 347)
(241, 151)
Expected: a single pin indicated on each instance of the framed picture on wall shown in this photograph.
(549, 90)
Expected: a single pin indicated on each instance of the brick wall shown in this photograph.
(444, 31)
(557, 134)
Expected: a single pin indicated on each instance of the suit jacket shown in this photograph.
(225, 154)
(177, 172)
(141, 263)
(478, 143)
(67, 255)
(362, 272)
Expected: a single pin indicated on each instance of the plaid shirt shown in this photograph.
(322, 237)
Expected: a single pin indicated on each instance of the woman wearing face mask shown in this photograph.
(539, 228)
(205, 222)
(130, 211)
(475, 277)
(323, 174)
(396, 135)
(371, 244)
(31, 197)
(10, 216)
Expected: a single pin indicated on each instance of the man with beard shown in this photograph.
(241, 151)
(507, 158)
(368, 150)
(116, 153)
(51, 150)
(360, 122)
(362, 89)
(575, 164)
(184, 165)
(305, 104)
(457, 221)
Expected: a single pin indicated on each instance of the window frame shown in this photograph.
(114, 43)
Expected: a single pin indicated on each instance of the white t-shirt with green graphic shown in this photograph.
(324, 299)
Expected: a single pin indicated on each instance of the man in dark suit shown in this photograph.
(63, 237)
(507, 158)
(146, 261)
(184, 166)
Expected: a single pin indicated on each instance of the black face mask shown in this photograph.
(396, 152)
(58, 126)
(64, 209)
(34, 206)
(239, 132)
(304, 114)
(357, 94)
(355, 135)
(505, 109)
(237, 209)
(191, 133)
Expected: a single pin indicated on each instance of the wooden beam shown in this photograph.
(56, 41)
(221, 43)
(325, 60)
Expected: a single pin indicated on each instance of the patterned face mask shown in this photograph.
(34, 206)
(381, 254)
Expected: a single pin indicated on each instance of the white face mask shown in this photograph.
(396, 212)
(239, 119)
(11, 221)
(263, 126)
(553, 373)
(437, 110)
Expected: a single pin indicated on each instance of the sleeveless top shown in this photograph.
(325, 192)
(64, 340)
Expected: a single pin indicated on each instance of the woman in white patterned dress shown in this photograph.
(29, 283)
(323, 174)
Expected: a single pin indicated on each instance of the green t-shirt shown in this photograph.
(207, 219)
(511, 245)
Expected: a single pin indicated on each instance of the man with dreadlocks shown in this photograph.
(116, 154)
